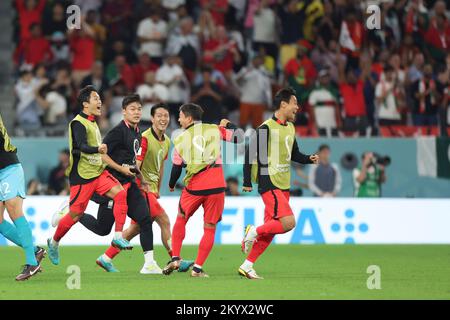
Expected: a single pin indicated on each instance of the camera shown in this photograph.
(381, 160)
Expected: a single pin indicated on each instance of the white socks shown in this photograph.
(252, 234)
(106, 258)
(55, 243)
(148, 257)
(118, 235)
(247, 265)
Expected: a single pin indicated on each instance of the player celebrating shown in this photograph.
(12, 193)
(154, 151)
(273, 148)
(87, 173)
(198, 149)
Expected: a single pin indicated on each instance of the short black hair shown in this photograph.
(157, 106)
(232, 180)
(131, 98)
(192, 110)
(85, 95)
(323, 147)
(285, 95)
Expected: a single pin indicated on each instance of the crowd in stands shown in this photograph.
(230, 56)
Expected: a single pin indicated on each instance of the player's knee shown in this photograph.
(288, 224)
(103, 232)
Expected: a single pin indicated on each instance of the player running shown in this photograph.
(12, 193)
(154, 150)
(198, 149)
(87, 173)
(272, 148)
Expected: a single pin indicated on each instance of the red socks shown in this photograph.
(120, 210)
(178, 234)
(112, 252)
(260, 245)
(205, 246)
(271, 227)
(64, 226)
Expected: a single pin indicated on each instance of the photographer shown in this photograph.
(368, 178)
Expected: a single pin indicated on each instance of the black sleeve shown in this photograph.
(299, 157)
(257, 147)
(113, 139)
(175, 175)
(79, 139)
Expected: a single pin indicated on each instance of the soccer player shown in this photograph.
(273, 148)
(154, 149)
(12, 193)
(198, 149)
(87, 173)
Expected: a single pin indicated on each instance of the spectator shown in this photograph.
(209, 96)
(438, 38)
(232, 187)
(256, 93)
(63, 85)
(151, 93)
(30, 12)
(442, 88)
(116, 48)
(152, 33)
(415, 70)
(217, 9)
(368, 178)
(117, 18)
(97, 79)
(291, 31)
(386, 92)
(425, 105)
(221, 52)
(120, 69)
(171, 75)
(144, 65)
(59, 47)
(57, 180)
(56, 22)
(351, 89)
(99, 31)
(351, 37)
(265, 29)
(324, 101)
(28, 112)
(88, 5)
(185, 44)
(82, 45)
(35, 49)
(300, 72)
(52, 103)
(325, 179)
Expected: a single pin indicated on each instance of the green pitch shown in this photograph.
(291, 272)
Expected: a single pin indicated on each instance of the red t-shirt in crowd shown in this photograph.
(33, 51)
(354, 104)
(222, 63)
(27, 17)
(439, 40)
(218, 17)
(83, 50)
(139, 72)
(303, 70)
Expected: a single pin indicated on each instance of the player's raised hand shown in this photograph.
(314, 158)
(224, 122)
(103, 149)
(247, 189)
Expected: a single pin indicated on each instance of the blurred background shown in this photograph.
(384, 91)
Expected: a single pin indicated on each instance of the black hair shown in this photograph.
(157, 106)
(285, 95)
(232, 180)
(389, 68)
(85, 95)
(129, 99)
(323, 147)
(192, 110)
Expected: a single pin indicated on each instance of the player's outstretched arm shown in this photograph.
(229, 132)
(299, 157)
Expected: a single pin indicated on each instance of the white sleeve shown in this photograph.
(312, 98)
(311, 181)
(378, 90)
(338, 181)
(142, 30)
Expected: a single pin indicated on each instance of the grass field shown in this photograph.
(291, 272)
